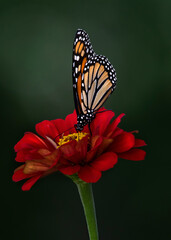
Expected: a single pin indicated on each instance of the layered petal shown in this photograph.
(89, 174)
(68, 149)
(25, 154)
(70, 153)
(32, 167)
(101, 121)
(81, 147)
(70, 121)
(110, 131)
(60, 125)
(30, 141)
(27, 185)
(104, 145)
(105, 161)
(116, 132)
(122, 143)
(95, 144)
(69, 169)
(19, 175)
(47, 129)
(139, 143)
(133, 154)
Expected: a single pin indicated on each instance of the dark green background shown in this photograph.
(36, 37)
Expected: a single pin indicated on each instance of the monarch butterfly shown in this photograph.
(94, 79)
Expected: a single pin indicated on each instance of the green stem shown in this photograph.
(86, 195)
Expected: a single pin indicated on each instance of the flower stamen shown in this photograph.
(74, 136)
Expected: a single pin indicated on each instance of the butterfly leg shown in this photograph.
(89, 129)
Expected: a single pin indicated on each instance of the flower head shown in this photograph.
(71, 152)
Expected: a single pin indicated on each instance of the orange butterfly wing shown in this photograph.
(94, 77)
(98, 82)
(82, 51)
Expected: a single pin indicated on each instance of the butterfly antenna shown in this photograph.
(63, 132)
(89, 129)
(104, 111)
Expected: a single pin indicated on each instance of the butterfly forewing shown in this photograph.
(82, 51)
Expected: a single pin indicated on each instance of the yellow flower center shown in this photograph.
(74, 136)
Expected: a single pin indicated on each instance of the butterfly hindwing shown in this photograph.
(98, 82)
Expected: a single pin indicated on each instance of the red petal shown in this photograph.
(34, 167)
(81, 147)
(27, 185)
(122, 142)
(104, 145)
(117, 132)
(52, 159)
(110, 130)
(139, 143)
(70, 153)
(70, 121)
(60, 125)
(68, 149)
(105, 161)
(19, 175)
(75, 151)
(133, 154)
(69, 170)
(89, 174)
(47, 128)
(21, 156)
(96, 141)
(30, 141)
(26, 154)
(101, 121)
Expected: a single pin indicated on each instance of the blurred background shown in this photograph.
(133, 199)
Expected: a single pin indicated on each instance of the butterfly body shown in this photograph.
(84, 119)
(94, 79)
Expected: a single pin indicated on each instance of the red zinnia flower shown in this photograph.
(75, 153)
